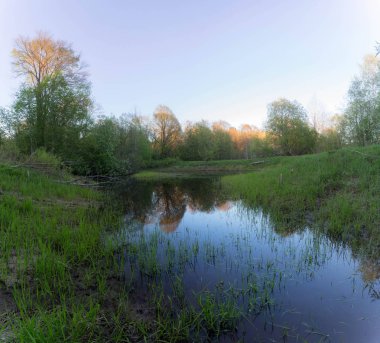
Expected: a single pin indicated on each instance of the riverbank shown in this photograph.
(187, 168)
(64, 271)
(59, 279)
(336, 192)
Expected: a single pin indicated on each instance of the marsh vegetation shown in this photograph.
(227, 271)
(273, 253)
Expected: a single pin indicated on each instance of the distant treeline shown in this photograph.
(53, 110)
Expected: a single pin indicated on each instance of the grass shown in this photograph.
(52, 251)
(338, 192)
(223, 166)
(62, 275)
(62, 267)
(152, 175)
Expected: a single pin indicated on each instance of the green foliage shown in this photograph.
(54, 114)
(198, 143)
(9, 150)
(287, 125)
(223, 145)
(329, 139)
(114, 146)
(135, 143)
(42, 156)
(5, 124)
(98, 150)
(362, 115)
(260, 147)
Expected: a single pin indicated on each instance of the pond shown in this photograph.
(188, 239)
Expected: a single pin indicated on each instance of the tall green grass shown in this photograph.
(64, 275)
(51, 245)
(338, 192)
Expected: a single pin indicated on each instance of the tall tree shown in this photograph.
(135, 140)
(166, 131)
(224, 147)
(362, 114)
(54, 103)
(40, 60)
(287, 125)
(42, 57)
(198, 142)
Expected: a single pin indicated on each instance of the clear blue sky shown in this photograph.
(210, 59)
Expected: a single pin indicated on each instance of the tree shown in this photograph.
(223, 145)
(288, 127)
(42, 57)
(260, 146)
(51, 70)
(63, 119)
(198, 142)
(6, 122)
(332, 137)
(166, 132)
(99, 149)
(135, 140)
(318, 114)
(362, 114)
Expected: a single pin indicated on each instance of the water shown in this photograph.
(299, 286)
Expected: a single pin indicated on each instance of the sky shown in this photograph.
(205, 59)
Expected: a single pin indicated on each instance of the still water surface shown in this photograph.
(290, 286)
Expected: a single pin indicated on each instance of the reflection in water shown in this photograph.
(167, 202)
(370, 269)
(293, 284)
(169, 205)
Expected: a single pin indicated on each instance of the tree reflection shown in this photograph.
(370, 269)
(169, 205)
(167, 202)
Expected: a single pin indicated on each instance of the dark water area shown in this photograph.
(195, 240)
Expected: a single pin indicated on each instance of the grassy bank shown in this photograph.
(63, 273)
(178, 168)
(210, 166)
(338, 192)
(56, 270)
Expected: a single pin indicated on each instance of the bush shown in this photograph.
(9, 152)
(43, 157)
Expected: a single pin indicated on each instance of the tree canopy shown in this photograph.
(288, 127)
(362, 115)
(41, 57)
(166, 131)
(54, 105)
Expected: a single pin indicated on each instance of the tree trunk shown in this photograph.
(40, 119)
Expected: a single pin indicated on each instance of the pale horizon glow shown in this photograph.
(213, 60)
